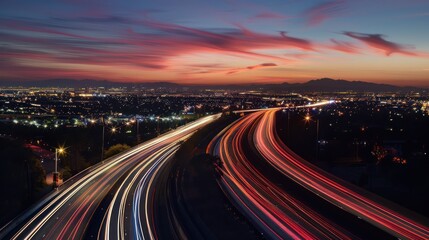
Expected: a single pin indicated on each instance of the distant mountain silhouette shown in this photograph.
(331, 85)
(318, 85)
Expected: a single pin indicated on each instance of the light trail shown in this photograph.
(67, 212)
(374, 210)
(135, 187)
(277, 213)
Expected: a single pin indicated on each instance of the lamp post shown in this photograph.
(137, 130)
(307, 118)
(157, 125)
(55, 175)
(112, 130)
(102, 138)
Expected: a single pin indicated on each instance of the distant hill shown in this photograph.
(328, 85)
(331, 85)
(318, 85)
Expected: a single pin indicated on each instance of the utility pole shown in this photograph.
(308, 119)
(102, 138)
(137, 130)
(157, 128)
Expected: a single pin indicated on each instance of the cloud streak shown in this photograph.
(323, 11)
(377, 42)
(262, 65)
(342, 46)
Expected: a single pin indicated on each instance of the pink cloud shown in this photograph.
(209, 69)
(345, 47)
(153, 45)
(323, 11)
(150, 49)
(377, 41)
(263, 65)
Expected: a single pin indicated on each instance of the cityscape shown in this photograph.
(214, 119)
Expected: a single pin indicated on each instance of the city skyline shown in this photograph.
(226, 42)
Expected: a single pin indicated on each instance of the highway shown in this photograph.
(278, 214)
(66, 213)
(130, 180)
(130, 214)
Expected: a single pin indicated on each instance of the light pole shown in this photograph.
(102, 138)
(307, 118)
(55, 175)
(157, 127)
(137, 130)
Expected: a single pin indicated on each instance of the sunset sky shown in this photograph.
(216, 41)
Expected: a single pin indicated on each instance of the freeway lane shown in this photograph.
(129, 215)
(379, 212)
(279, 214)
(67, 212)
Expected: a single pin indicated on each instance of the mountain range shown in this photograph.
(318, 85)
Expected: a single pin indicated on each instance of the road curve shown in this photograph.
(277, 213)
(381, 213)
(66, 213)
(129, 215)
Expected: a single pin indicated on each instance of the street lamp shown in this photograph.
(102, 138)
(307, 119)
(137, 129)
(157, 127)
(112, 130)
(55, 175)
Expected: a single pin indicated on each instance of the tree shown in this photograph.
(66, 173)
(21, 178)
(115, 149)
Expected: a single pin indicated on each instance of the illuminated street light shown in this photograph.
(61, 150)
(113, 130)
(55, 175)
(307, 118)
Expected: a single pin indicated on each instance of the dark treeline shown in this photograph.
(381, 149)
(22, 178)
(83, 144)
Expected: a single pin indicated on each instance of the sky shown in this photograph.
(216, 41)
